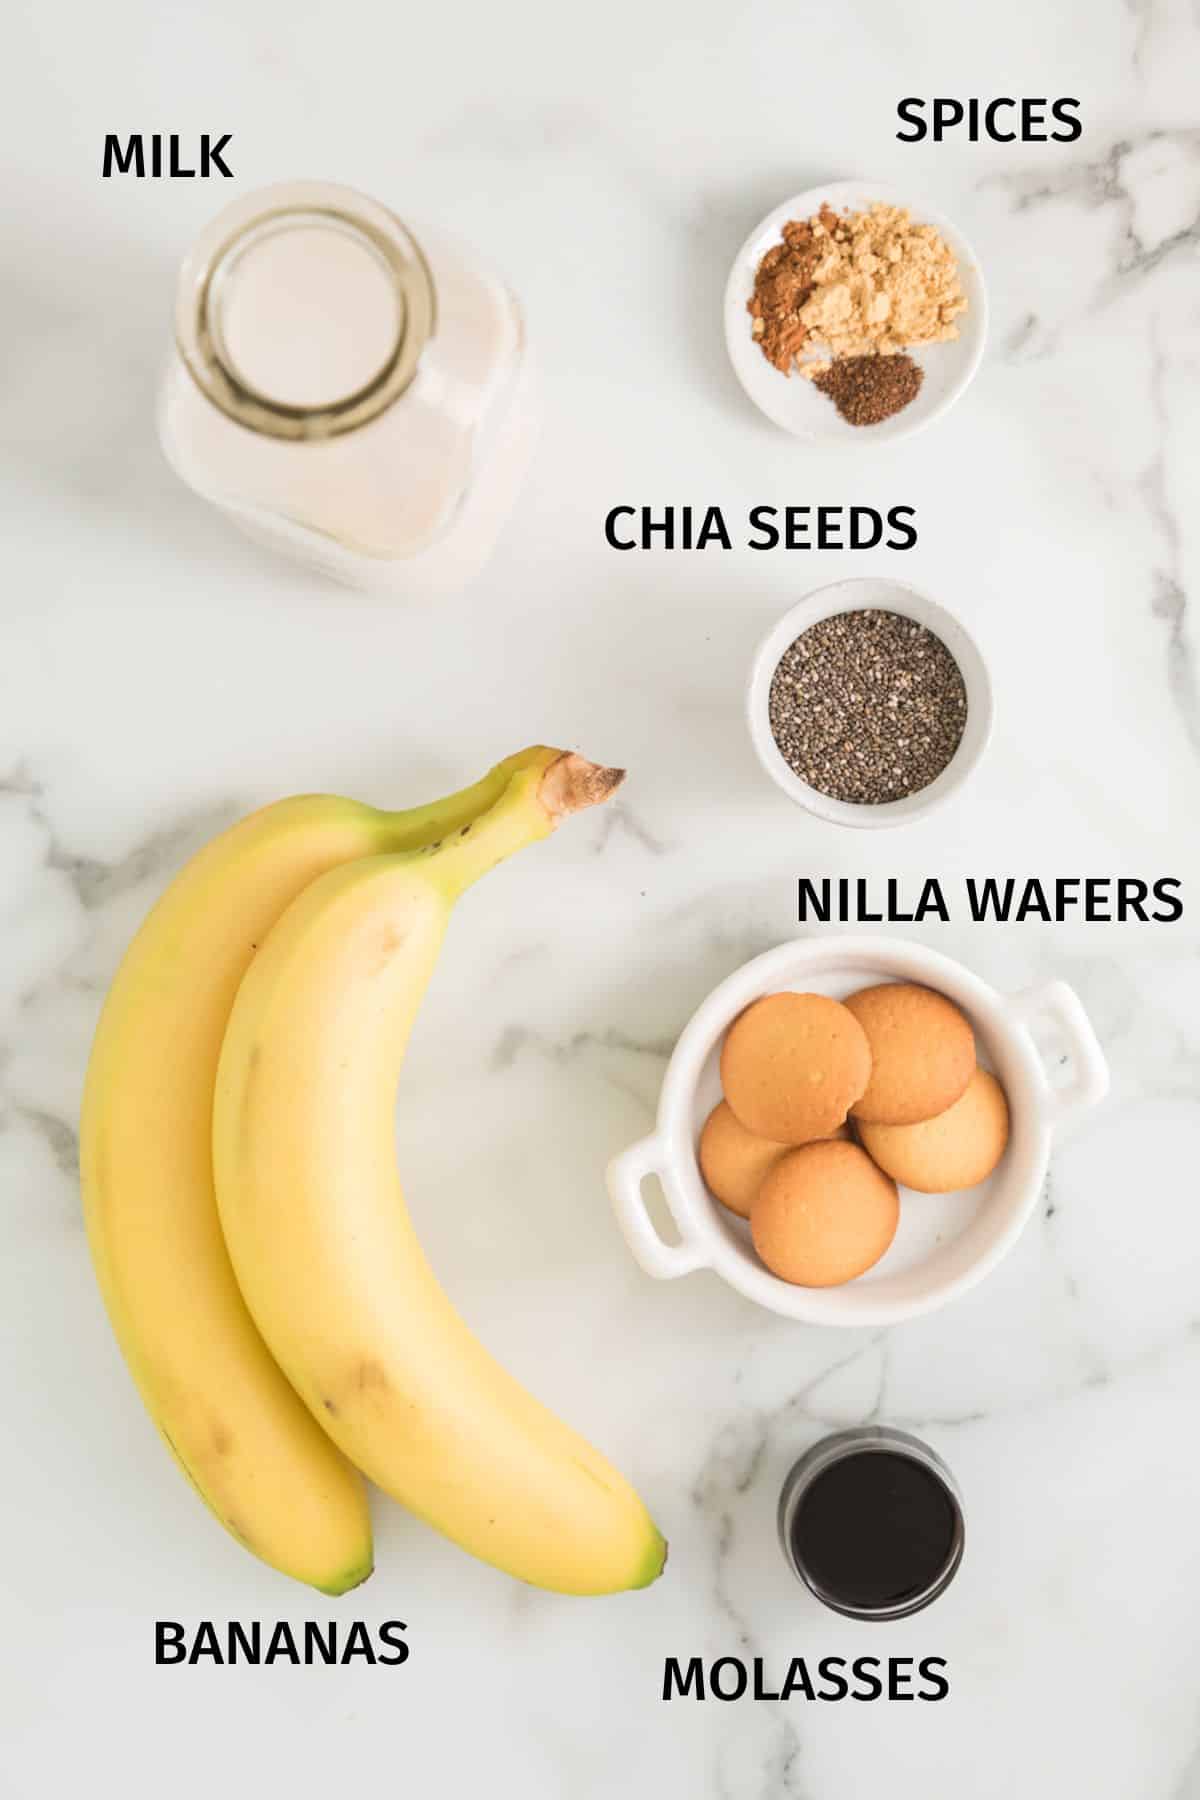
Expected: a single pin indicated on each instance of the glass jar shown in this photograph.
(356, 399)
(871, 1520)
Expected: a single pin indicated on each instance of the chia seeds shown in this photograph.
(867, 706)
(868, 389)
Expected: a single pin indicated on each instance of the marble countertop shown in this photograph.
(159, 676)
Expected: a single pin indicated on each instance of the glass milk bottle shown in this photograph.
(358, 400)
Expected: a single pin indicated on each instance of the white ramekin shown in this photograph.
(887, 596)
(945, 1243)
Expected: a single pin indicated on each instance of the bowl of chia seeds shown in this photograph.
(868, 703)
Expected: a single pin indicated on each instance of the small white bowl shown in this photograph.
(794, 403)
(945, 1242)
(887, 596)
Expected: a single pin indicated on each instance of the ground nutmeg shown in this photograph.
(868, 389)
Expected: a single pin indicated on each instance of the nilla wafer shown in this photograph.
(824, 1214)
(922, 1053)
(792, 1065)
(733, 1161)
(956, 1150)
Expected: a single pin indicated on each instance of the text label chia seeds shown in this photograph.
(767, 528)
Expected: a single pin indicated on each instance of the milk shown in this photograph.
(311, 314)
(355, 399)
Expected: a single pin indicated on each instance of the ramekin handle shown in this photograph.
(626, 1174)
(1055, 1001)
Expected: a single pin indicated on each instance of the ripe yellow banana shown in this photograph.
(252, 1450)
(325, 1252)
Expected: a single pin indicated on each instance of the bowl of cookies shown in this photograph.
(854, 1130)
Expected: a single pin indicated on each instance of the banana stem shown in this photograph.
(416, 827)
(571, 784)
(549, 787)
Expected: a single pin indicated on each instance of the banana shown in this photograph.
(249, 1446)
(325, 1252)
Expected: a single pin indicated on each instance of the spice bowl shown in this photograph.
(874, 593)
(945, 1243)
(792, 402)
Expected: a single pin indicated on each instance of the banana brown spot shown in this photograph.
(389, 942)
(370, 1375)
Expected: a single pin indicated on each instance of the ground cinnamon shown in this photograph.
(784, 281)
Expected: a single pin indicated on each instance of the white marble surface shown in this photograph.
(158, 676)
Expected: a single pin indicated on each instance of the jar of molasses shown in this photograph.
(871, 1520)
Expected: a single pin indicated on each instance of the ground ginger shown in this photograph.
(857, 284)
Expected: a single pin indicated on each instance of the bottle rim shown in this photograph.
(211, 263)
